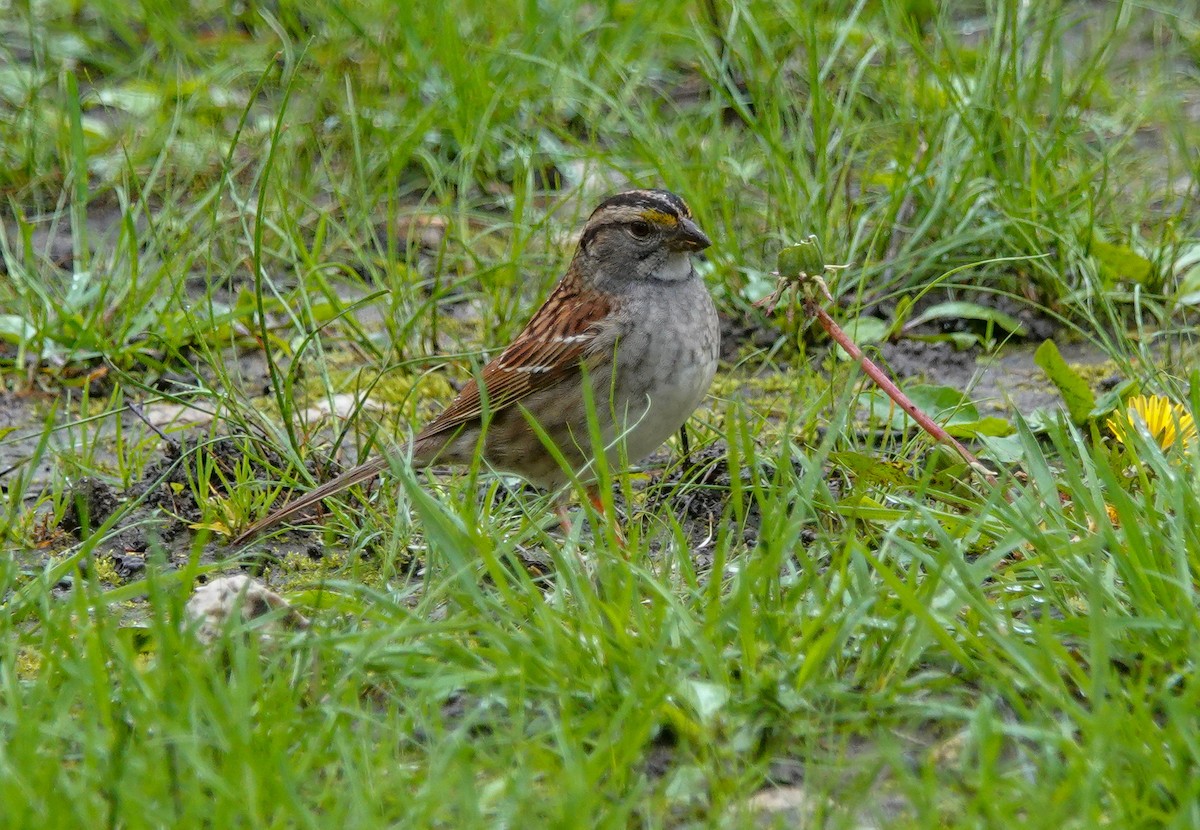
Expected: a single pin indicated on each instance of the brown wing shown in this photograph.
(548, 349)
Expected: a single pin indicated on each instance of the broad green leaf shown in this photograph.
(759, 284)
(941, 400)
(138, 98)
(1112, 399)
(1077, 395)
(1187, 271)
(16, 329)
(1005, 450)
(945, 405)
(1120, 263)
(962, 310)
(960, 340)
(990, 425)
(864, 330)
(706, 698)
(873, 469)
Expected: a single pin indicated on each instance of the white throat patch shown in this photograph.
(677, 267)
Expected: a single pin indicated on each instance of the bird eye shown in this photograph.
(640, 230)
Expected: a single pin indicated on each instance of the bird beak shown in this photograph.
(689, 237)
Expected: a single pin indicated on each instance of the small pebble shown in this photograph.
(212, 605)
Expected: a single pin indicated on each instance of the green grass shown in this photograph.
(246, 213)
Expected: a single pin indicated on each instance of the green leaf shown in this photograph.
(871, 468)
(16, 329)
(326, 599)
(1120, 263)
(962, 310)
(1112, 399)
(990, 425)
(904, 307)
(863, 330)
(759, 284)
(960, 340)
(942, 401)
(1187, 271)
(1004, 450)
(944, 404)
(138, 98)
(707, 699)
(1077, 395)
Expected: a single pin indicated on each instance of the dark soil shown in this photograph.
(998, 383)
(738, 332)
(160, 510)
(698, 495)
(24, 416)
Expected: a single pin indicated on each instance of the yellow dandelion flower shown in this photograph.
(1165, 422)
(1114, 518)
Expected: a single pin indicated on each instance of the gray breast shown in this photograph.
(668, 356)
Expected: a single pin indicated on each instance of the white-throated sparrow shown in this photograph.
(631, 318)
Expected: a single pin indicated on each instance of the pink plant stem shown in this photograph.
(813, 309)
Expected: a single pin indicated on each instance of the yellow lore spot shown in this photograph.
(657, 217)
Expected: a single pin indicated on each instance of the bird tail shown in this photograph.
(355, 475)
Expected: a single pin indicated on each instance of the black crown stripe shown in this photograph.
(663, 200)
